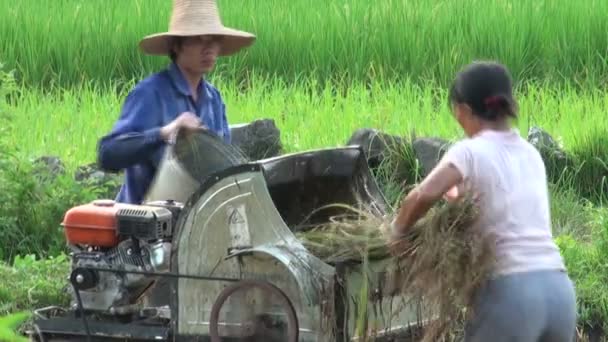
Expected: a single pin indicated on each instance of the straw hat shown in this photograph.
(193, 18)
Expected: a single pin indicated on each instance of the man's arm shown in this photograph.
(136, 134)
(220, 115)
(225, 126)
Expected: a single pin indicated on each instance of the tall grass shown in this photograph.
(68, 122)
(72, 41)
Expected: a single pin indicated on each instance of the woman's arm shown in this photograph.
(445, 177)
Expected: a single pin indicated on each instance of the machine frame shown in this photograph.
(262, 185)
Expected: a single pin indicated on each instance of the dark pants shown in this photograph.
(525, 307)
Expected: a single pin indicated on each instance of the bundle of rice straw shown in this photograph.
(441, 263)
(347, 237)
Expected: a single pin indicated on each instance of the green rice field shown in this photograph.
(321, 70)
(68, 123)
(72, 41)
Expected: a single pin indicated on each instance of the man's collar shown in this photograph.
(180, 83)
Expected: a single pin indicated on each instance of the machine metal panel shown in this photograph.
(208, 246)
(239, 223)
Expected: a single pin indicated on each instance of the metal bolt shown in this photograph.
(79, 279)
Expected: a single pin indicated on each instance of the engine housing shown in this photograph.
(124, 237)
(144, 223)
(104, 223)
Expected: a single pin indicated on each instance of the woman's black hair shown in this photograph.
(487, 88)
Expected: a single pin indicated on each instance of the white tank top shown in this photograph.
(509, 175)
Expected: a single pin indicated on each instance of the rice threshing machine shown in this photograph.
(212, 255)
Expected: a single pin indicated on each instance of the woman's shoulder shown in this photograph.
(464, 145)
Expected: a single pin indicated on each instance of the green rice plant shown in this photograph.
(9, 324)
(359, 40)
(30, 282)
(585, 261)
(399, 170)
(34, 198)
(571, 214)
(68, 122)
(7, 90)
(586, 266)
(35, 202)
(590, 151)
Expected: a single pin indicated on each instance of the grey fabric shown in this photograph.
(525, 307)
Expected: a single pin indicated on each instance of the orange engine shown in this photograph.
(102, 223)
(92, 224)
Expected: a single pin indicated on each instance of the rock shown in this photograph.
(258, 139)
(49, 165)
(541, 139)
(429, 152)
(389, 158)
(91, 174)
(554, 157)
(376, 145)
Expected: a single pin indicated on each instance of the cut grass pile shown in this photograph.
(441, 263)
(72, 41)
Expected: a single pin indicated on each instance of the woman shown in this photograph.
(530, 297)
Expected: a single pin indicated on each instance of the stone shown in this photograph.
(376, 145)
(554, 157)
(91, 174)
(541, 139)
(258, 139)
(389, 158)
(50, 165)
(429, 152)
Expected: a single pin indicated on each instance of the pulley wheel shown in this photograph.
(256, 326)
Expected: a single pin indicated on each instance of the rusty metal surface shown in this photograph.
(237, 213)
(265, 326)
(71, 328)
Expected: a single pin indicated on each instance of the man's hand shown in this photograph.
(187, 121)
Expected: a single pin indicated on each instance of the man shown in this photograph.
(174, 99)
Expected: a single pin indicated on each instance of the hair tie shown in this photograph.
(493, 102)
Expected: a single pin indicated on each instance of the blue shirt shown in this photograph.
(134, 144)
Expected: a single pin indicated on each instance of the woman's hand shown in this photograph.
(441, 182)
(395, 240)
(452, 194)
